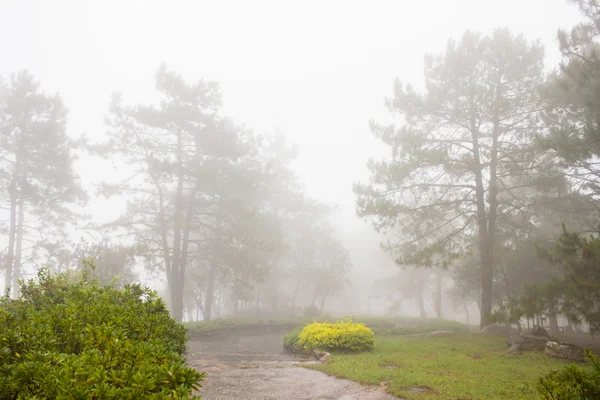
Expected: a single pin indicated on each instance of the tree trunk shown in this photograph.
(421, 301)
(553, 321)
(18, 250)
(466, 308)
(323, 299)
(12, 232)
(482, 227)
(235, 304)
(296, 292)
(438, 293)
(210, 287)
(258, 300)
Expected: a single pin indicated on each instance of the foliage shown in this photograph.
(37, 176)
(576, 292)
(508, 312)
(339, 336)
(572, 383)
(290, 340)
(115, 261)
(70, 337)
(460, 366)
(462, 164)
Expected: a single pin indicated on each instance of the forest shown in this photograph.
(485, 196)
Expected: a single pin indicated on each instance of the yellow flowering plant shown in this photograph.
(342, 335)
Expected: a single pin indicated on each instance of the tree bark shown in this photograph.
(18, 250)
(12, 232)
(482, 227)
(466, 308)
(296, 292)
(553, 322)
(421, 301)
(177, 285)
(210, 287)
(258, 300)
(438, 294)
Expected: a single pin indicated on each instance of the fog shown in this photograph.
(314, 72)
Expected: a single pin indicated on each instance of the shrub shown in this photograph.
(342, 336)
(70, 337)
(572, 383)
(290, 340)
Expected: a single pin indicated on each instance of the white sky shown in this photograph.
(318, 70)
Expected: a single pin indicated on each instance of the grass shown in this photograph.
(458, 366)
(379, 325)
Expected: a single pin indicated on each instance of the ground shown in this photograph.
(461, 365)
(454, 366)
(253, 367)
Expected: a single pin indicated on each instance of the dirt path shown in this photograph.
(290, 383)
(255, 368)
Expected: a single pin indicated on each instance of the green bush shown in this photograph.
(69, 337)
(340, 336)
(290, 340)
(572, 383)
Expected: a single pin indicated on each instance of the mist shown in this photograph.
(276, 161)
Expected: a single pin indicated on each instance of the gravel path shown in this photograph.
(255, 368)
(290, 383)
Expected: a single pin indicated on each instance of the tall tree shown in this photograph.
(167, 150)
(463, 158)
(36, 169)
(572, 100)
(199, 186)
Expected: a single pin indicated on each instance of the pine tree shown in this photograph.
(462, 162)
(36, 169)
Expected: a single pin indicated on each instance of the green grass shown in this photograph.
(379, 325)
(457, 366)
(385, 326)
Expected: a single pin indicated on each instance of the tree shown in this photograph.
(111, 261)
(463, 161)
(36, 170)
(199, 186)
(170, 152)
(328, 275)
(572, 106)
(575, 294)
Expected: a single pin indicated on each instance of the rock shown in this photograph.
(539, 331)
(499, 330)
(520, 342)
(321, 355)
(565, 351)
(513, 349)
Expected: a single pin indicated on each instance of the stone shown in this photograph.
(498, 330)
(539, 331)
(321, 355)
(565, 351)
(513, 349)
(519, 342)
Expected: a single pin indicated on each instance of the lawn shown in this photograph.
(457, 366)
(380, 325)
